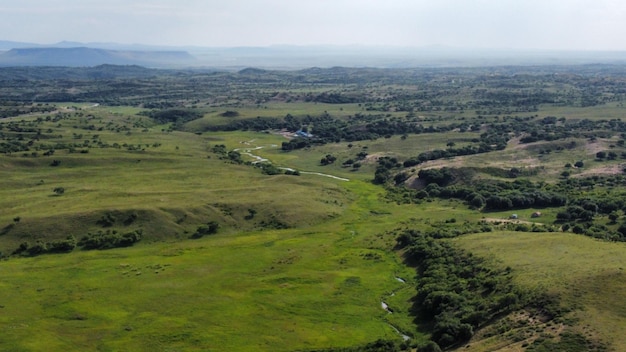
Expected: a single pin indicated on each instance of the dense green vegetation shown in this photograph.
(123, 187)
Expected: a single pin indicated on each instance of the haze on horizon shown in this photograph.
(594, 25)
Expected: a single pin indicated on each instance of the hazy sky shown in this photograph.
(528, 24)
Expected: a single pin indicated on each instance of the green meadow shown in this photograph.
(318, 283)
(215, 250)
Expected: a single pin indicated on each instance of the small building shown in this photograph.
(301, 133)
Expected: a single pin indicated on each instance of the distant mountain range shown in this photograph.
(74, 54)
(85, 57)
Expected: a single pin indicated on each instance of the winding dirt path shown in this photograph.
(258, 159)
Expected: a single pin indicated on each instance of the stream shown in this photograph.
(259, 159)
(385, 306)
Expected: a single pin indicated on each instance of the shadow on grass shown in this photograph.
(6, 229)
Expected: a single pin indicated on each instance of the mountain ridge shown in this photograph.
(86, 56)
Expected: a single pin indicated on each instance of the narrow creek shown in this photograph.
(386, 307)
(258, 159)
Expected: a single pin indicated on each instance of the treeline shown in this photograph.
(488, 142)
(175, 115)
(583, 200)
(457, 293)
(99, 240)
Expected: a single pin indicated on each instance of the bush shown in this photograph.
(109, 239)
(210, 228)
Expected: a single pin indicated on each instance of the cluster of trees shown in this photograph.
(40, 247)
(300, 143)
(376, 346)
(328, 159)
(10, 109)
(109, 239)
(178, 116)
(383, 169)
(99, 240)
(209, 228)
(225, 154)
(457, 292)
(490, 195)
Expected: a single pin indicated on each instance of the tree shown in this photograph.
(579, 164)
(328, 159)
(208, 229)
(58, 190)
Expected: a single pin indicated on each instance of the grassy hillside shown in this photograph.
(585, 274)
(232, 233)
(254, 286)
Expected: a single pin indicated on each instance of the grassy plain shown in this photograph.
(299, 262)
(319, 283)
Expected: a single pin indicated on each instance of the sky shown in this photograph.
(487, 24)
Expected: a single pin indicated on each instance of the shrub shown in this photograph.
(210, 228)
(109, 239)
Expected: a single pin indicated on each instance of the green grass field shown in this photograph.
(299, 262)
(317, 284)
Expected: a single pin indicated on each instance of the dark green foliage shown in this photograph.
(269, 169)
(458, 292)
(219, 149)
(107, 220)
(109, 239)
(273, 222)
(229, 113)
(376, 346)
(300, 143)
(235, 157)
(568, 341)
(441, 177)
(430, 346)
(292, 172)
(177, 116)
(130, 219)
(60, 246)
(251, 214)
(328, 159)
(58, 190)
(209, 229)
(492, 195)
(383, 170)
